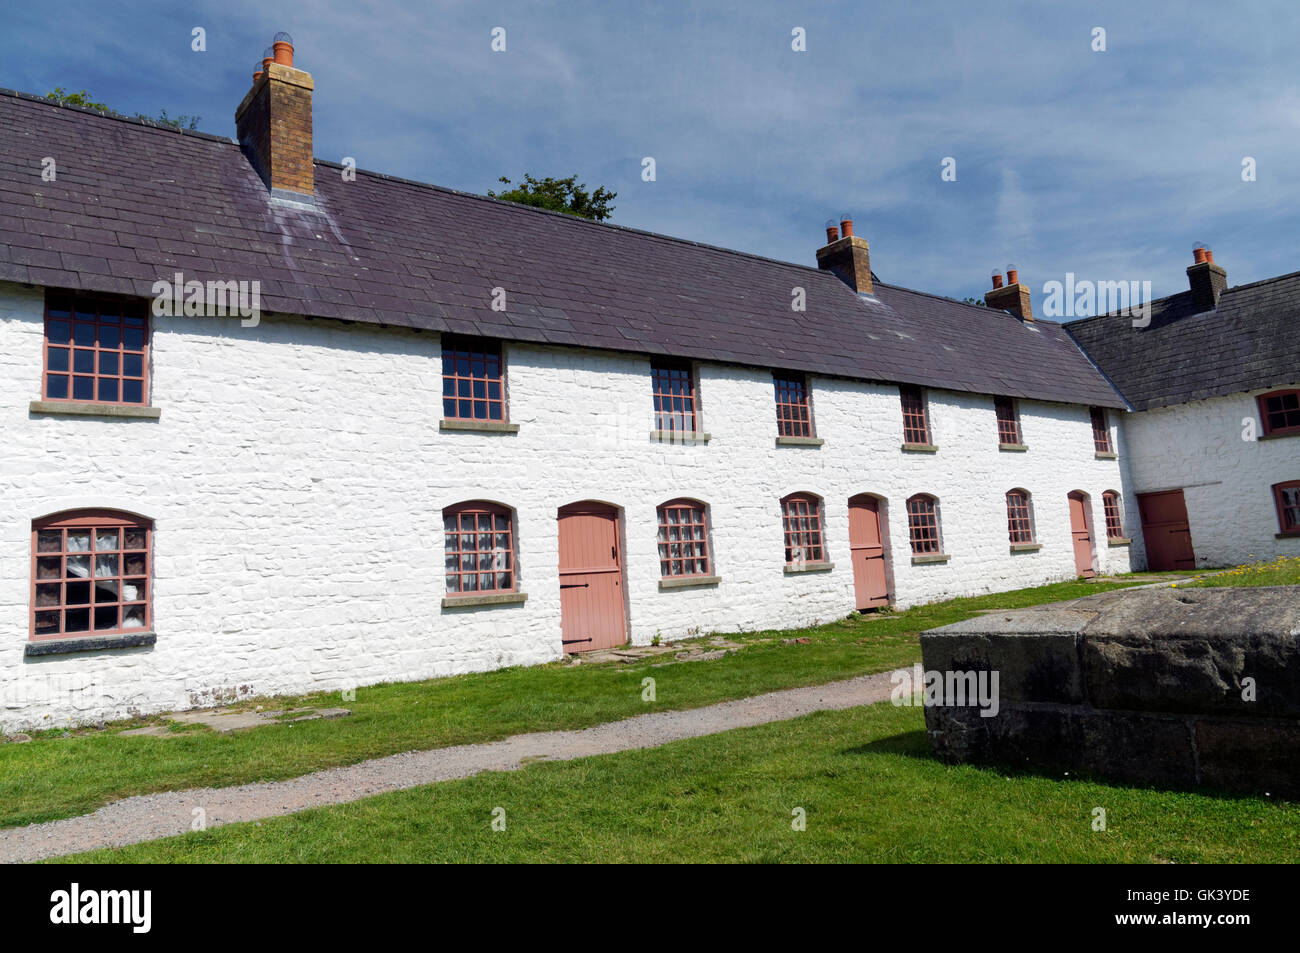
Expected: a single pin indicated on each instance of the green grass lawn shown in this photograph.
(865, 778)
(53, 777)
(1283, 571)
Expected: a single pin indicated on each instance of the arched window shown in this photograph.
(801, 518)
(91, 572)
(479, 542)
(684, 539)
(1020, 524)
(1114, 522)
(923, 524)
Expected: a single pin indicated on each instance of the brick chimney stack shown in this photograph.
(274, 124)
(1207, 280)
(1013, 296)
(847, 257)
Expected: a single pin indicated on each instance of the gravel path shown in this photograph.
(151, 816)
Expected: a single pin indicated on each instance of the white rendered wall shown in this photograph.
(297, 476)
(1226, 480)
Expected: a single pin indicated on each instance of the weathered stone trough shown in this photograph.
(1166, 686)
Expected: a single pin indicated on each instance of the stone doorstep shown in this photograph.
(226, 720)
(714, 648)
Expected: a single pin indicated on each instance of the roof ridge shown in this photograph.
(1179, 294)
(980, 308)
(119, 117)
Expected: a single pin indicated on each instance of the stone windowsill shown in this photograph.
(799, 441)
(1013, 447)
(1106, 455)
(1026, 547)
(73, 408)
(796, 568)
(920, 448)
(478, 426)
(688, 582)
(1288, 534)
(930, 558)
(485, 599)
(1295, 432)
(1118, 541)
(679, 436)
(90, 643)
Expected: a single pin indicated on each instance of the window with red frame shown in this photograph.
(793, 413)
(1114, 524)
(473, 380)
(1280, 411)
(96, 350)
(673, 383)
(1008, 420)
(683, 539)
(923, 524)
(1020, 526)
(90, 574)
(479, 542)
(1287, 496)
(1100, 430)
(916, 428)
(802, 520)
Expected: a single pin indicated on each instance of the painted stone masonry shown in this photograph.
(296, 475)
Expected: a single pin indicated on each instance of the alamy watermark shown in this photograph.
(214, 299)
(1083, 299)
(943, 689)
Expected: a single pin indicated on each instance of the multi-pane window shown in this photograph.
(674, 394)
(96, 350)
(1008, 421)
(1114, 524)
(1100, 430)
(793, 413)
(916, 428)
(1019, 525)
(90, 574)
(683, 539)
(473, 382)
(801, 518)
(1287, 496)
(923, 524)
(1280, 411)
(480, 548)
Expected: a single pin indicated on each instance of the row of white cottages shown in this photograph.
(385, 478)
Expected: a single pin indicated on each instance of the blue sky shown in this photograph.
(1107, 164)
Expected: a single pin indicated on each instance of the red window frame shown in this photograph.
(96, 350)
(801, 521)
(1008, 420)
(1279, 412)
(1114, 521)
(673, 386)
(1287, 497)
(923, 524)
(1020, 524)
(85, 564)
(1100, 430)
(916, 423)
(683, 539)
(473, 380)
(793, 408)
(471, 564)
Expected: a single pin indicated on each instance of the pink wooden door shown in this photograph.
(1082, 538)
(1165, 530)
(867, 553)
(591, 578)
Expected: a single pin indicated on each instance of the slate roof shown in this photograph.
(1251, 341)
(133, 203)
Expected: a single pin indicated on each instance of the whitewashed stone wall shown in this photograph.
(297, 476)
(1226, 480)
